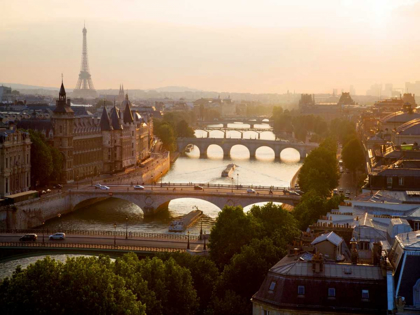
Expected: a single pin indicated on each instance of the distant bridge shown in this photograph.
(245, 120)
(252, 145)
(224, 130)
(32, 213)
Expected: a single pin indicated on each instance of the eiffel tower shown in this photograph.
(84, 87)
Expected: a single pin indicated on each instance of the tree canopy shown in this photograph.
(353, 156)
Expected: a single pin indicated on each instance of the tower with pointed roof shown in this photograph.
(120, 97)
(63, 122)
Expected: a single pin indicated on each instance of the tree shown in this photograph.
(41, 159)
(232, 230)
(312, 206)
(204, 273)
(320, 171)
(254, 259)
(171, 284)
(165, 132)
(57, 161)
(353, 156)
(80, 286)
(184, 130)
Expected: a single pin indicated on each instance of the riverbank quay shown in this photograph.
(294, 180)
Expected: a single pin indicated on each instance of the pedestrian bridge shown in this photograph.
(252, 145)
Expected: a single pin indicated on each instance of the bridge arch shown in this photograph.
(239, 151)
(291, 154)
(214, 151)
(265, 153)
(183, 205)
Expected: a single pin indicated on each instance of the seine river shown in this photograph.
(263, 170)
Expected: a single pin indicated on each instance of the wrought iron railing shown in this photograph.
(127, 248)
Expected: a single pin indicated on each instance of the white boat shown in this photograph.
(227, 172)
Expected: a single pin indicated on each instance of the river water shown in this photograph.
(263, 170)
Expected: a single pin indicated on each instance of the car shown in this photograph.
(104, 187)
(335, 191)
(341, 169)
(43, 192)
(58, 236)
(59, 186)
(48, 191)
(196, 187)
(347, 193)
(28, 237)
(139, 187)
(98, 186)
(341, 190)
(251, 191)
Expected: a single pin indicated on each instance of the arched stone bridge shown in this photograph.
(251, 144)
(249, 121)
(33, 212)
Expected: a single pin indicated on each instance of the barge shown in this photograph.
(227, 172)
(186, 221)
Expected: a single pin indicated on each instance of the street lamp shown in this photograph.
(204, 247)
(161, 175)
(43, 229)
(126, 227)
(152, 182)
(115, 234)
(231, 186)
(59, 221)
(188, 243)
(237, 181)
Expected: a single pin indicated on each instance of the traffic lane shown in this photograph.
(149, 189)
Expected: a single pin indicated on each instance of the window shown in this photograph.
(389, 181)
(7, 162)
(272, 285)
(301, 290)
(416, 225)
(365, 294)
(401, 181)
(265, 312)
(331, 292)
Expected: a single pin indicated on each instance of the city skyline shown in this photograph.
(226, 48)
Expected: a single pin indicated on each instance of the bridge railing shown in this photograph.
(127, 248)
(227, 186)
(119, 233)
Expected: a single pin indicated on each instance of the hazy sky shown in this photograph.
(254, 46)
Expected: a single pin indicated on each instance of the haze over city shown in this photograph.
(256, 47)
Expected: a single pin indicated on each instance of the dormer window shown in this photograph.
(301, 290)
(272, 286)
(365, 295)
(331, 293)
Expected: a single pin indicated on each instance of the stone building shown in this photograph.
(92, 146)
(15, 160)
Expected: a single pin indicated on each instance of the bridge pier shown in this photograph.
(224, 134)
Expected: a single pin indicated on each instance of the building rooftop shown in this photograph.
(331, 237)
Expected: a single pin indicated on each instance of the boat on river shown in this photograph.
(189, 148)
(186, 221)
(227, 172)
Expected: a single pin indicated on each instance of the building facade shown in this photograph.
(15, 161)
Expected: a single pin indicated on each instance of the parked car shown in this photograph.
(98, 186)
(28, 237)
(139, 187)
(341, 190)
(347, 193)
(43, 192)
(196, 187)
(104, 187)
(48, 191)
(58, 236)
(59, 186)
(335, 191)
(251, 191)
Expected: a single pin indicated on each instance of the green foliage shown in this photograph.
(320, 169)
(204, 274)
(165, 132)
(230, 303)
(353, 156)
(343, 129)
(312, 206)
(80, 286)
(184, 130)
(57, 159)
(41, 159)
(232, 230)
(166, 286)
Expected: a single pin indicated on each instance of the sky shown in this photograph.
(259, 46)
